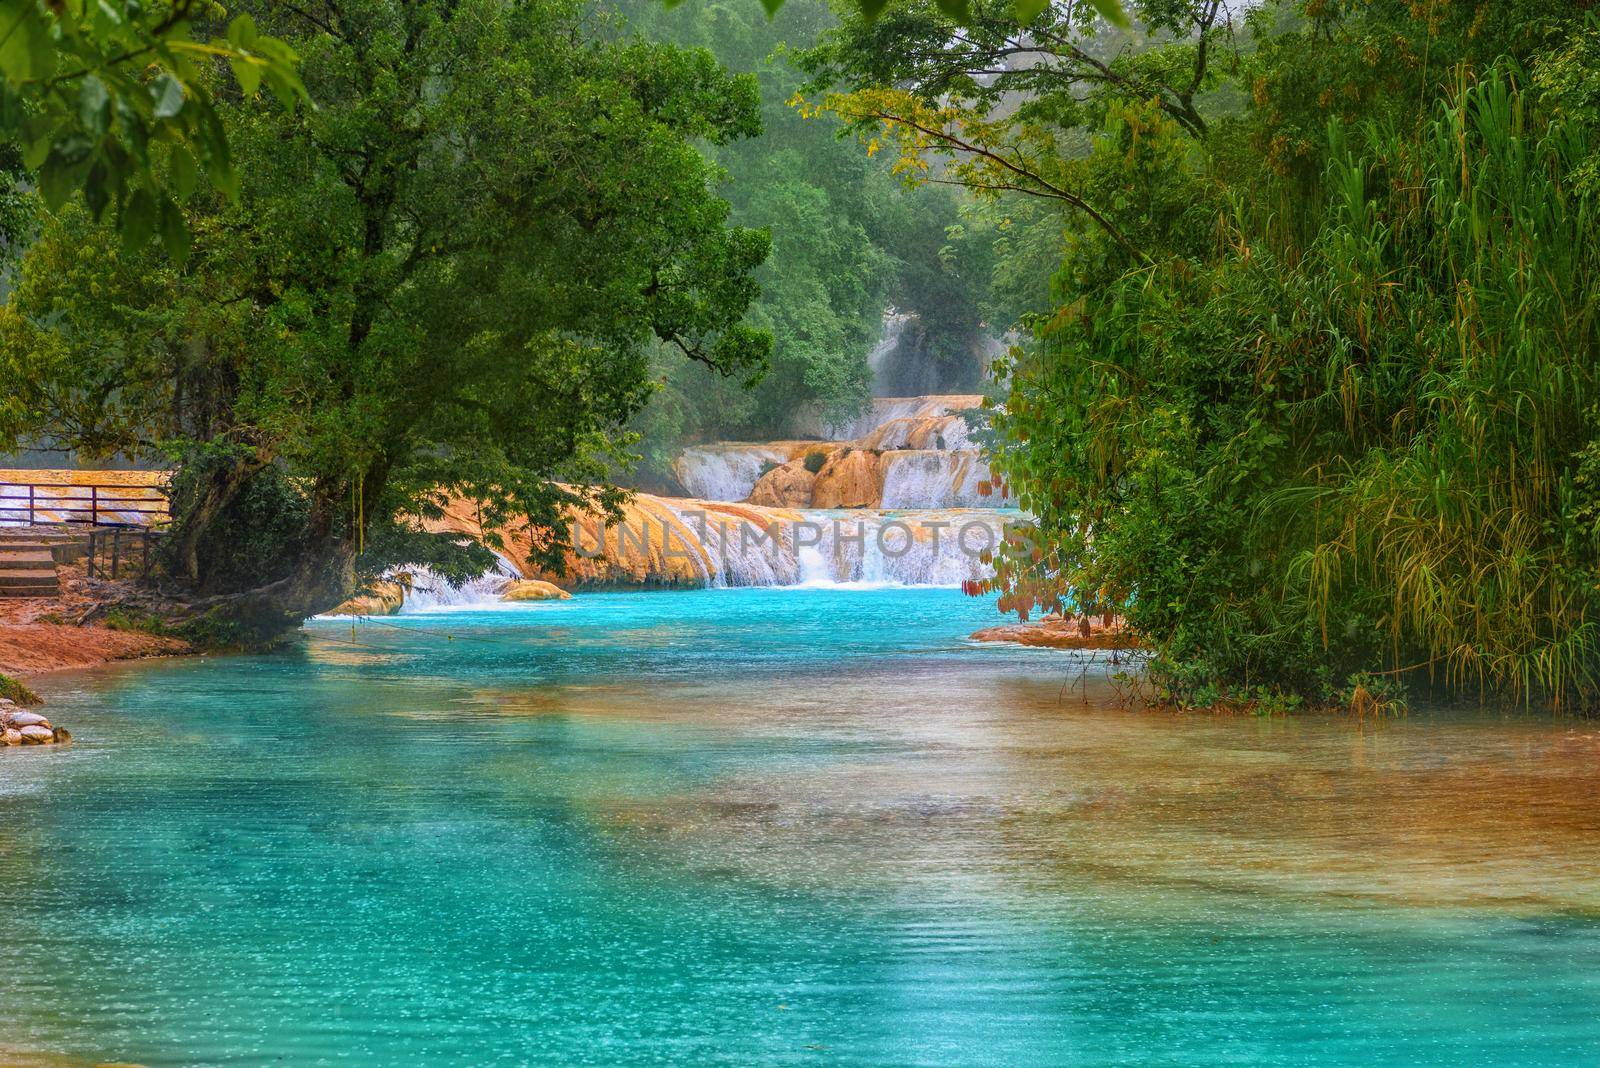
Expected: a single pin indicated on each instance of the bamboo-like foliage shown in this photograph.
(1359, 444)
(1466, 271)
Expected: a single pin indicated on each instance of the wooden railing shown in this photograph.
(86, 504)
(116, 551)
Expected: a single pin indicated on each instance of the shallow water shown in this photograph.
(777, 827)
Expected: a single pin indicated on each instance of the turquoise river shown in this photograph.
(776, 827)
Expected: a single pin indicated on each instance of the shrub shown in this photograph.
(14, 690)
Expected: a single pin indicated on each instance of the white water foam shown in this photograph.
(857, 548)
(923, 478)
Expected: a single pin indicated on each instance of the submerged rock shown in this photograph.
(1058, 632)
(534, 590)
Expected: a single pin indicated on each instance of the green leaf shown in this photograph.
(174, 232)
(97, 189)
(1111, 11)
(956, 9)
(242, 32)
(286, 87)
(26, 51)
(35, 152)
(63, 170)
(94, 105)
(772, 7)
(138, 220)
(167, 92)
(134, 130)
(248, 73)
(185, 172)
(1028, 10)
(873, 8)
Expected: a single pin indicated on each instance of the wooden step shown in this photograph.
(41, 593)
(12, 559)
(14, 577)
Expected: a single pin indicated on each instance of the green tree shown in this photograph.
(1309, 401)
(446, 280)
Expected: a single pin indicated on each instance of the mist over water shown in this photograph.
(756, 826)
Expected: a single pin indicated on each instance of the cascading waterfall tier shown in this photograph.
(815, 547)
(924, 479)
(899, 496)
(904, 452)
(729, 470)
(886, 409)
(426, 590)
(677, 542)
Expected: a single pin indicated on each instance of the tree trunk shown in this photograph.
(211, 499)
(324, 575)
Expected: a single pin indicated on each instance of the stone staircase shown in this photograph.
(28, 569)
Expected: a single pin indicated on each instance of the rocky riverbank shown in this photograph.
(20, 726)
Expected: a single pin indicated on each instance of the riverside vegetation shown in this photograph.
(1313, 403)
(1308, 398)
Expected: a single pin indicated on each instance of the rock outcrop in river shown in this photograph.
(18, 726)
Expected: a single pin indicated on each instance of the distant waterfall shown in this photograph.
(887, 409)
(894, 328)
(903, 452)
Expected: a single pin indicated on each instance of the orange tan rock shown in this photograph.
(788, 486)
(851, 479)
(1058, 632)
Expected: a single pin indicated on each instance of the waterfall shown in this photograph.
(726, 471)
(901, 497)
(938, 432)
(922, 478)
(887, 409)
(818, 547)
(894, 328)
